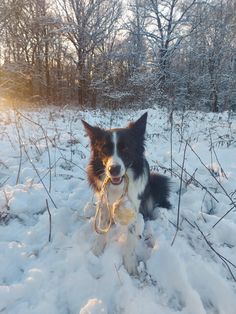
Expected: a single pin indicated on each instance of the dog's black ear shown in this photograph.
(140, 125)
(92, 131)
(88, 128)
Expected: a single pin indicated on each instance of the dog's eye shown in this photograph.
(106, 148)
(122, 147)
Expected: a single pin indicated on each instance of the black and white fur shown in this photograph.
(117, 152)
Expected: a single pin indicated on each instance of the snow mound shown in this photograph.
(47, 208)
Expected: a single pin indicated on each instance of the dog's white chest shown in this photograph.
(114, 192)
(136, 188)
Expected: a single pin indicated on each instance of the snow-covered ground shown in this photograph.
(43, 160)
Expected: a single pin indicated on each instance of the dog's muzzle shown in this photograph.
(116, 180)
(114, 174)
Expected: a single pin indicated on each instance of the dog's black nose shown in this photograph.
(114, 170)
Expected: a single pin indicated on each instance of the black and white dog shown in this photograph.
(119, 152)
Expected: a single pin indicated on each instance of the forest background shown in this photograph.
(93, 53)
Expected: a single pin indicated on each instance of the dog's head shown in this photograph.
(118, 149)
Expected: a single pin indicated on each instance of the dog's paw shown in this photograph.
(131, 263)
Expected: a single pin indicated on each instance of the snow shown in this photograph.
(63, 275)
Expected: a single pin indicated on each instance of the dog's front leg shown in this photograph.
(129, 254)
(102, 221)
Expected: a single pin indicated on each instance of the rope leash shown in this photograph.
(115, 213)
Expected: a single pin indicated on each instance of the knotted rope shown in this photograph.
(115, 212)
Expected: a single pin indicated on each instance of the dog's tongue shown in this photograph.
(116, 180)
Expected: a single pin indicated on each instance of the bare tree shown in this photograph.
(87, 25)
(166, 26)
(209, 55)
(171, 51)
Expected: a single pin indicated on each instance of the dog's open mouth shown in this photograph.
(116, 180)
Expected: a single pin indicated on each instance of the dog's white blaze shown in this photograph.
(115, 159)
(115, 191)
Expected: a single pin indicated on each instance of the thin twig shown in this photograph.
(20, 147)
(118, 275)
(212, 149)
(221, 168)
(192, 225)
(36, 170)
(173, 224)
(4, 182)
(171, 141)
(34, 167)
(169, 170)
(181, 130)
(71, 150)
(46, 141)
(211, 145)
(202, 206)
(219, 183)
(63, 157)
(7, 200)
(198, 182)
(219, 220)
(191, 176)
(180, 190)
(3, 164)
(50, 222)
(224, 260)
